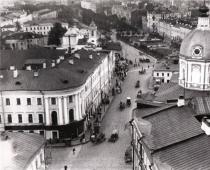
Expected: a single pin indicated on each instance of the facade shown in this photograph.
(173, 128)
(8, 28)
(41, 26)
(22, 151)
(89, 4)
(61, 107)
(24, 40)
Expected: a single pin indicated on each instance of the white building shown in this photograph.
(58, 100)
(41, 26)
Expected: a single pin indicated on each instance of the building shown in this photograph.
(89, 4)
(45, 14)
(51, 93)
(22, 151)
(163, 71)
(8, 28)
(24, 40)
(78, 38)
(172, 130)
(41, 26)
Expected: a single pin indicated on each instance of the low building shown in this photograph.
(163, 71)
(24, 40)
(8, 28)
(62, 106)
(22, 151)
(41, 26)
(45, 14)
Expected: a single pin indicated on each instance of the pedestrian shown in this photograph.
(65, 167)
(74, 150)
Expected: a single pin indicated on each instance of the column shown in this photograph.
(60, 111)
(47, 114)
(76, 107)
(65, 108)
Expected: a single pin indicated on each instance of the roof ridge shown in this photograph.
(163, 109)
(176, 143)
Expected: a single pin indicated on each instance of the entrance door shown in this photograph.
(55, 135)
(71, 115)
(54, 118)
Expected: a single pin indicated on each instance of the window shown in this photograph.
(41, 132)
(162, 74)
(9, 118)
(7, 101)
(31, 131)
(92, 33)
(40, 118)
(28, 101)
(168, 81)
(53, 101)
(168, 74)
(39, 101)
(18, 101)
(30, 118)
(70, 99)
(20, 120)
(157, 74)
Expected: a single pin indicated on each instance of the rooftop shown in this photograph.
(167, 66)
(45, 21)
(23, 36)
(23, 146)
(113, 46)
(62, 76)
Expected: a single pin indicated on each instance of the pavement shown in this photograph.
(107, 156)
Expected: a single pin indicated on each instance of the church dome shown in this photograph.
(196, 44)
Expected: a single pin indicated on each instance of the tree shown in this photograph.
(55, 34)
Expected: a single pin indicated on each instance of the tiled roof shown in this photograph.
(171, 91)
(193, 154)
(26, 145)
(63, 76)
(23, 36)
(171, 126)
(17, 58)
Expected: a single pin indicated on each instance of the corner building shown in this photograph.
(55, 94)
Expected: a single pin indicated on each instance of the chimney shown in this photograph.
(91, 56)
(12, 67)
(44, 65)
(58, 61)
(28, 68)
(205, 125)
(181, 101)
(53, 64)
(36, 74)
(71, 61)
(15, 73)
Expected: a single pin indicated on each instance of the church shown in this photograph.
(171, 130)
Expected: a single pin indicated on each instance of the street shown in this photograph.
(110, 156)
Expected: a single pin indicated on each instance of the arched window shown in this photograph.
(71, 115)
(196, 74)
(54, 118)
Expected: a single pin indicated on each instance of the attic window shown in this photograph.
(17, 83)
(65, 81)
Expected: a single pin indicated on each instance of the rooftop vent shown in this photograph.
(12, 67)
(28, 68)
(91, 56)
(44, 65)
(205, 125)
(71, 61)
(181, 101)
(36, 74)
(53, 64)
(77, 55)
(17, 83)
(15, 73)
